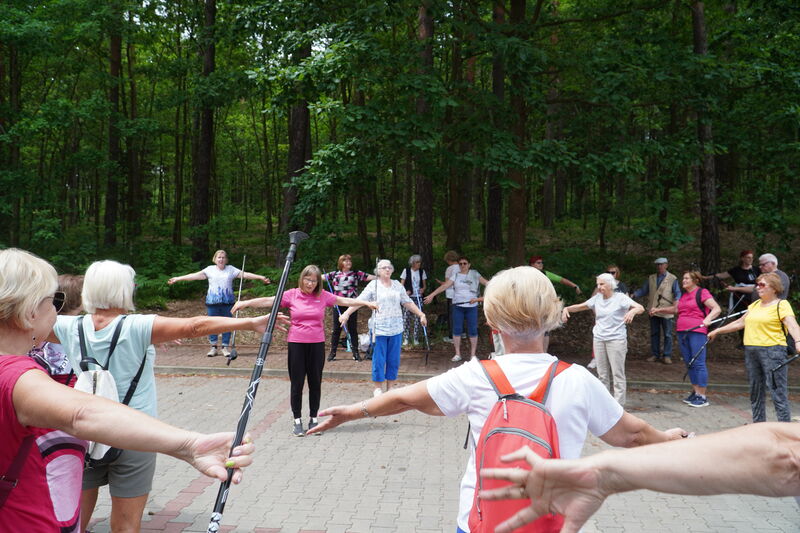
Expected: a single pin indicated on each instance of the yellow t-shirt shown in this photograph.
(761, 324)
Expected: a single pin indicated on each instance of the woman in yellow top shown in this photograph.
(765, 325)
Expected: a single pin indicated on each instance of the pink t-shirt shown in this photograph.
(47, 497)
(307, 313)
(689, 315)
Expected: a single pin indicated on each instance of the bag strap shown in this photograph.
(780, 321)
(541, 392)
(10, 479)
(85, 359)
(135, 381)
(497, 378)
(698, 297)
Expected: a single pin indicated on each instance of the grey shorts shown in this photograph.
(128, 477)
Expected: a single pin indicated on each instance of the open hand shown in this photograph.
(209, 455)
(338, 415)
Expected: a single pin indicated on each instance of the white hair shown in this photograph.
(414, 258)
(108, 285)
(768, 258)
(383, 263)
(25, 280)
(608, 279)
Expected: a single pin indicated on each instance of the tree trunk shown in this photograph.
(423, 219)
(134, 207)
(517, 204)
(205, 147)
(709, 230)
(114, 152)
(493, 237)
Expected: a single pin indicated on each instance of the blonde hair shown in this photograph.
(342, 259)
(773, 280)
(522, 302)
(451, 256)
(108, 285)
(25, 280)
(311, 271)
(214, 257)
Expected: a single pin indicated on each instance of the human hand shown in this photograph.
(428, 299)
(238, 306)
(266, 280)
(281, 323)
(171, 281)
(571, 488)
(564, 315)
(209, 455)
(676, 433)
(372, 305)
(629, 316)
(652, 311)
(343, 319)
(338, 415)
(423, 320)
(577, 290)
(712, 335)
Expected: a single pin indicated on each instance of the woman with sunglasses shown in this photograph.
(466, 284)
(107, 296)
(42, 468)
(765, 325)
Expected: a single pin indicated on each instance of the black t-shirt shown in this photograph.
(747, 277)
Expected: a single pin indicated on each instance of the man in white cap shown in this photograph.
(662, 290)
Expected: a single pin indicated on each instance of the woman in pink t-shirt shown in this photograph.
(695, 309)
(307, 305)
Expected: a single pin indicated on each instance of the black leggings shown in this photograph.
(306, 359)
(352, 329)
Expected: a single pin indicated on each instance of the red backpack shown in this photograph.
(514, 422)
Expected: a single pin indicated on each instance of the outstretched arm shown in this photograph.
(755, 459)
(39, 401)
(576, 308)
(167, 329)
(441, 288)
(258, 277)
(255, 302)
(353, 302)
(195, 276)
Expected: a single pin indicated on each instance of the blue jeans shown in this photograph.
(657, 325)
(690, 342)
(220, 310)
(386, 358)
(759, 361)
(468, 313)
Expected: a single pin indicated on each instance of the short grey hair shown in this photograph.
(768, 258)
(382, 263)
(25, 280)
(416, 258)
(608, 279)
(108, 285)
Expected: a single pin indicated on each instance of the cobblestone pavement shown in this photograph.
(399, 473)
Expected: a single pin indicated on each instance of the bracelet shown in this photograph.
(364, 409)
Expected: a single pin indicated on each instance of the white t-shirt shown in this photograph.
(577, 401)
(220, 284)
(389, 316)
(465, 287)
(609, 315)
(449, 273)
(415, 280)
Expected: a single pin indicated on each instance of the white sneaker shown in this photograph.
(225, 351)
(212, 352)
(377, 392)
(592, 364)
(456, 358)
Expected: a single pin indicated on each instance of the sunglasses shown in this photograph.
(612, 272)
(761, 285)
(59, 299)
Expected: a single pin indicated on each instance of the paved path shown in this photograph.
(399, 473)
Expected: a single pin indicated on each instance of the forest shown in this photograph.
(156, 131)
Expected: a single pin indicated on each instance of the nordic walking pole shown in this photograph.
(339, 314)
(233, 353)
(721, 320)
(425, 331)
(295, 238)
(785, 363)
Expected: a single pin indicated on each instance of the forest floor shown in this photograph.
(571, 343)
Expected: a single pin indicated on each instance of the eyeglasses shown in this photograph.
(612, 272)
(386, 268)
(761, 285)
(59, 299)
(463, 263)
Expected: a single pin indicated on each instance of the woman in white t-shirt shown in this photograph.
(612, 310)
(522, 304)
(220, 296)
(414, 280)
(466, 293)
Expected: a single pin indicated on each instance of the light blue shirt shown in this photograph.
(132, 346)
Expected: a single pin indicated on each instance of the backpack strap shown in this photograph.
(698, 298)
(135, 381)
(541, 392)
(9, 480)
(85, 359)
(497, 378)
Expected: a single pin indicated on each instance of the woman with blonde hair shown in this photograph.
(220, 296)
(42, 468)
(765, 325)
(306, 359)
(522, 304)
